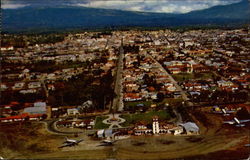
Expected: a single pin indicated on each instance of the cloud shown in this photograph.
(165, 6)
(162, 6)
(12, 6)
(7, 4)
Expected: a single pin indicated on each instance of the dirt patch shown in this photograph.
(166, 142)
(194, 139)
(138, 143)
(201, 117)
(25, 138)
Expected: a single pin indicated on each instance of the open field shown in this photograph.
(217, 141)
(187, 76)
(154, 147)
(147, 117)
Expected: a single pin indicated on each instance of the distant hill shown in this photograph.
(48, 18)
(239, 11)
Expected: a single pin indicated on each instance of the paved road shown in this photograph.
(51, 127)
(183, 93)
(118, 100)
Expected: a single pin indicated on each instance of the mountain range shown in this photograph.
(63, 18)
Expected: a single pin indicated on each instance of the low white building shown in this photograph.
(73, 111)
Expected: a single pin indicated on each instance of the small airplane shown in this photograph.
(237, 122)
(70, 142)
(224, 112)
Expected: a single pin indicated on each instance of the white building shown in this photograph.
(156, 128)
(72, 111)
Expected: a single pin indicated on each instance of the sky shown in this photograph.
(161, 6)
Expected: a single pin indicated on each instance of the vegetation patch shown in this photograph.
(134, 104)
(147, 117)
(99, 124)
(25, 138)
(198, 76)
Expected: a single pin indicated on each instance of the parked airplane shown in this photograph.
(70, 142)
(224, 112)
(237, 122)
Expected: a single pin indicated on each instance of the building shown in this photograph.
(35, 110)
(190, 128)
(156, 129)
(72, 111)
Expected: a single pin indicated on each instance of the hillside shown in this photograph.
(48, 18)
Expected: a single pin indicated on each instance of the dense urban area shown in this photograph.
(126, 94)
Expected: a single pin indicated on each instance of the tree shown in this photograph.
(160, 97)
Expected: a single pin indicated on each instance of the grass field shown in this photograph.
(147, 117)
(26, 138)
(187, 76)
(134, 104)
(99, 124)
(170, 101)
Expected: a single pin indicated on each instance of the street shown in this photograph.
(118, 100)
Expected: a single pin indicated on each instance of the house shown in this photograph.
(176, 130)
(132, 97)
(142, 129)
(224, 83)
(25, 91)
(17, 118)
(7, 48)
(33, 85)
(165, 127)
(72, 111)
(64, 124)
(22, 117)
(232, 107)
(3, 87)
(35, 117)
(35, 110)
(88, 124)
(40, 104)
(51, 87)
(18, 85)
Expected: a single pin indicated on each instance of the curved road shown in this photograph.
(51, 127)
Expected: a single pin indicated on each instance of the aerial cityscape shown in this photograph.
(140, 80)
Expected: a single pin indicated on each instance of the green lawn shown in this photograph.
(171, 101)
(187, 76)
(134, 104)
(134, 118)
(99, 124)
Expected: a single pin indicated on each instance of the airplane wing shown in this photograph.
(66, 145)
(217, 112)
(220, 112)
(230, 111)
(229, 122)
(244, 121)
(79, 141)
(105, 144)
